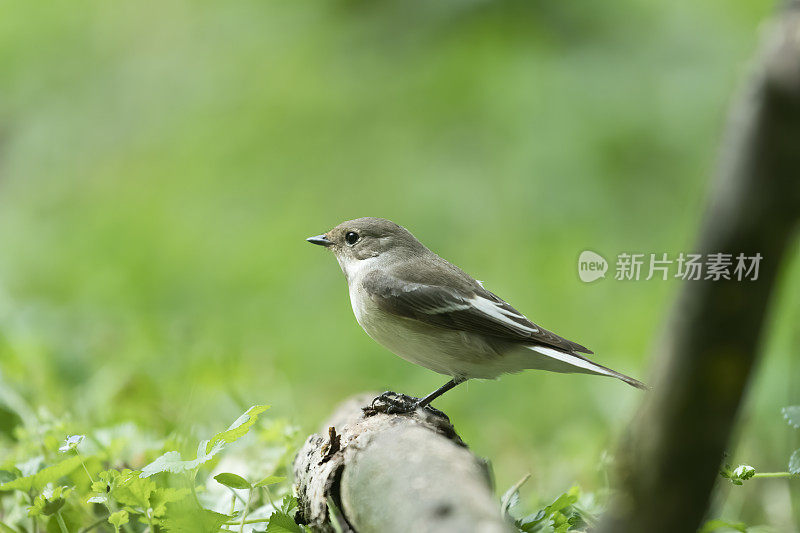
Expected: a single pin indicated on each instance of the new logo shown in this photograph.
(591, 266)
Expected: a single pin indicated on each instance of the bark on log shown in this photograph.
(672, 461)
(393, 473)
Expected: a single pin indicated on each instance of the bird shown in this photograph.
(431, 313)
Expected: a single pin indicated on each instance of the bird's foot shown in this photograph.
(393, 403)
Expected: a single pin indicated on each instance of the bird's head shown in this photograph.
(362, 240)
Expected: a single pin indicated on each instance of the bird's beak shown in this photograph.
(322, 240)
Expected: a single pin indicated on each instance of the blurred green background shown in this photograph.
(162, 162)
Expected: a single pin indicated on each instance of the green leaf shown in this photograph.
(579, 520)
(269, 480)
(37, 481)
(744, 472)
(565, 500)
(792, 415)
(281, 522)
(232, 480)
(239, 428)
(130, 489)
(172, 462)
(49, 502)
(193, 520)
(288, 504)
(558, 520)
(718, 523)
(531, 522)
(118, 518)
(739, 474)
(169, 462)
(162, 496)
(794, 462)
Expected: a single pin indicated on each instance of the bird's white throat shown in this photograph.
(354, 268)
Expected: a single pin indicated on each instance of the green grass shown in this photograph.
(162, 163)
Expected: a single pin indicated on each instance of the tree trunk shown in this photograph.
(671, 462)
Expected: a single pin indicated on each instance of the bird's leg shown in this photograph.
(438, 392)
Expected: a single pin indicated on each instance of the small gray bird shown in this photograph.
(432, 313)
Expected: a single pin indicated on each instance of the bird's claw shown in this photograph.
(393, 403)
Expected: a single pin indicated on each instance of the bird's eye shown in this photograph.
(351, 237)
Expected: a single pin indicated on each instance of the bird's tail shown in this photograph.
(556, 360)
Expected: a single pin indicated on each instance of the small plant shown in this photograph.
(572, 511)
(83, 482)
(743, 472)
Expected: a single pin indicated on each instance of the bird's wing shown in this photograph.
(472, 309)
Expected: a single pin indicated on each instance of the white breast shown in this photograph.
(449, 352)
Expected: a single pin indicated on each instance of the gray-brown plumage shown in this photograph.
(432, 313)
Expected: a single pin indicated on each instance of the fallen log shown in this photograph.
(372, 471)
